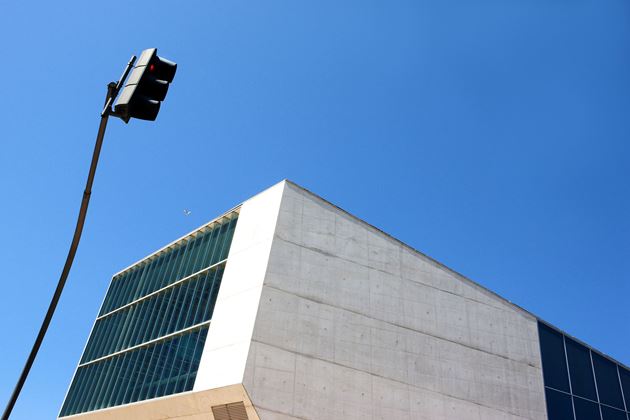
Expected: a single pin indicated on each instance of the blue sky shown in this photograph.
(491, 135)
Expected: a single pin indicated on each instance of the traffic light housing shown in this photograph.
(145, 88)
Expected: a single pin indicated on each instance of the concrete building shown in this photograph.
(287, 307)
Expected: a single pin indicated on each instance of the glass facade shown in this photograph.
(149, 335)
(581, 384)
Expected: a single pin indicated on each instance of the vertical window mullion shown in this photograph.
(228, 239)
(137, 368)
(146, 333)
(74, 392)
(113, 289)
(122, 298)
(155, 276)
(131, 314)
(193, 301)
(135, 334)
(148, 352)
(147, 287)
(216, 284)
(89, 387)
(183, 304)
(133, 285)
(105, 345)
(165, 355)
(173, 365)
(73, 407)
(198, 265)
(120, 282)
(180, 362)
(96, 346)
(157, 370)
(203, 296)
(213, 258)
(126, 336)
(90, 344)
(172, 292)
(181, 295)
(190, 248)
(98, 386)
(123, 319)
(160, 307)
(163, 267)
(183, 257)
(168, 272)
(150, 373)
(124, 282)
(174, 274)
(143, 280)
(108, 386)
(127, 369)
(212, 252)
(194, 366)
(149, 278)
(221, 242)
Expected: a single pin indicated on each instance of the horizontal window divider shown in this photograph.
(148, 343)
(168, 286)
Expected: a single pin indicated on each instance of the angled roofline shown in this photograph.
(456, 273)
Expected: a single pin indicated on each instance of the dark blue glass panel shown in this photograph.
(553, 359)
(609, 413)
(581, 370)
(586, 410)
(625, 384)
(607, 381)
(559, 405)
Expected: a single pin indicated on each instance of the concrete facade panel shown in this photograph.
(399, 334)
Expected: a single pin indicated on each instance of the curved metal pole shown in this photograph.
(112, 92)
(66, 268)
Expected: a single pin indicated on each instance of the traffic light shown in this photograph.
(146, 87)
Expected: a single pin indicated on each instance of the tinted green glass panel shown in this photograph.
(192, 255)
(143, 305)
(107, 378)
(161, 314)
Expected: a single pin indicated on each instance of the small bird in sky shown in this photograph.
(187, 212)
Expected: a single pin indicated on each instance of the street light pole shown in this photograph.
(112, 91)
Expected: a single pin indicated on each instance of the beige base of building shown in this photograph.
(227, 403)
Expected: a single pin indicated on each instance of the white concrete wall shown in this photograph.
(352, 324)
(230, 332)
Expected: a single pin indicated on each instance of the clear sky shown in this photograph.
(492, 135)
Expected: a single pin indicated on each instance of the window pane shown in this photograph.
(553, 359)
(612, 414)
(625, 384)
(580, 369)
(585, 410)
(607, 381)
(559, 405)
